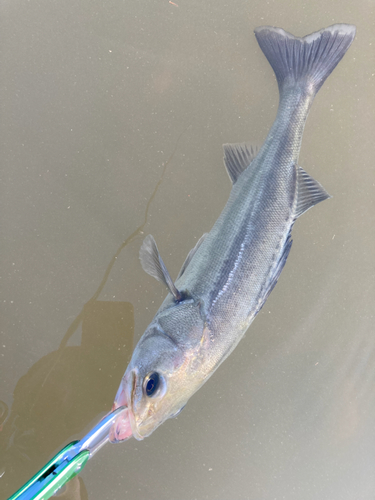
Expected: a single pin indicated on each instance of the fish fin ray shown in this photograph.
(276, 272)
(309, 192)
(191, 255)
(177, 412)
(306, 61)
(153, 264)
(237, 157)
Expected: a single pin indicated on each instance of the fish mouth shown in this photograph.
(124, 427)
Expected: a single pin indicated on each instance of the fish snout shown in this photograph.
(122, 428)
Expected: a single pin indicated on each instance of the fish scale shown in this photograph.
(228, 275)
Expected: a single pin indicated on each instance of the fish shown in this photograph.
(229, 274)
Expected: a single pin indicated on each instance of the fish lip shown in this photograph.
(125, 397)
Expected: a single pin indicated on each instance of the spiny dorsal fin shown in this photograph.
(237, 157)
(309, 192)
(191, 255)
(153, 264)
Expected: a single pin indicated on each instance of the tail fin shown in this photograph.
(306, 61)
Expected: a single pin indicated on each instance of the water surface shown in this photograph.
(97, 98)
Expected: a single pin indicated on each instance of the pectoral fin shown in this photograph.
(237, 157)
(177, 412)
(273, 278)
(153, 264)
(309, 192)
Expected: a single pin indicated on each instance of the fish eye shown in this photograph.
(152, 384)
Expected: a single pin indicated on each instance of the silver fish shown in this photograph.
(228, 275)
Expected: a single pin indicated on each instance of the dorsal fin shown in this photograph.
(309, 192)
(191, 255)
(153, 264)
(237, 157)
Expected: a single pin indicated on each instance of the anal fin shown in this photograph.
(309, 192)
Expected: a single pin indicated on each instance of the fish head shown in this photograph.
(165, 370)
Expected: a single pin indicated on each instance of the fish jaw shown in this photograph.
(124, 426)
(121, 429)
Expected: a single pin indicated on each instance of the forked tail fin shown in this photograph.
(304, 62)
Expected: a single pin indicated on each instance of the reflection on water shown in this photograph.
(70, 387)
(73, 490)
(65, 391)
(93, 95)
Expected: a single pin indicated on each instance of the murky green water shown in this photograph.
(97, 98)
